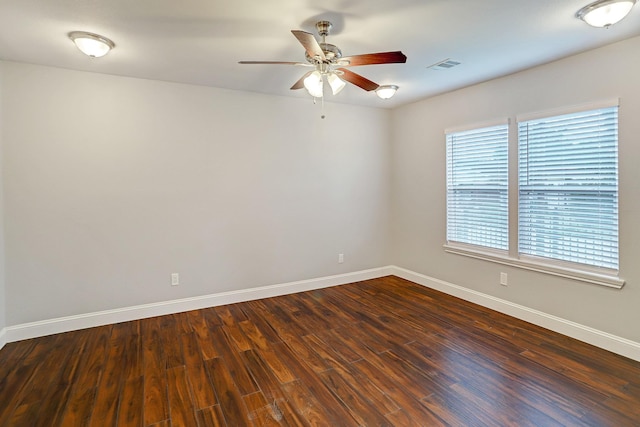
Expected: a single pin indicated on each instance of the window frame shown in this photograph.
(479, 127)
(580, 272)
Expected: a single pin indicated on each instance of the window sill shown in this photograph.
(595, 278)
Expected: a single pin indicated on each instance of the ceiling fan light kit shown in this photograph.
(93, 45)
(336, 83)
(604, 13)
(329, 64)
(314, 85)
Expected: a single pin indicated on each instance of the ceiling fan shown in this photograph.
(329, 64)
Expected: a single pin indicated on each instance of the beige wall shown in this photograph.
(112, 184)
(3, 304)
(418, 184)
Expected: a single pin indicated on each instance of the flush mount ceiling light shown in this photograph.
(386, 91)
(93, 45)
(604, 13)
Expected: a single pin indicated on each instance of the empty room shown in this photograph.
(336, 213)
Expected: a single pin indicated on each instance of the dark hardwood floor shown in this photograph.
(380, 352)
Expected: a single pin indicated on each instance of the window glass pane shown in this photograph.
(568, 187)
(477, 187)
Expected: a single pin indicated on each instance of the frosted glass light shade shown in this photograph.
(336, 83)
(386, 91)
(313, 84)
(90, 44)
(604, 13)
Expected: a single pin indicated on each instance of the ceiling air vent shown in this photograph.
(445, 64)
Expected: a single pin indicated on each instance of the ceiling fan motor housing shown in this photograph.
(331, 53)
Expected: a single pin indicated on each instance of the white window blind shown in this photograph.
(477, 187)
(568, 187)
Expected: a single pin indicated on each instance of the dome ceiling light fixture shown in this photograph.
(386, 91)
(93, 45)
(605, 13)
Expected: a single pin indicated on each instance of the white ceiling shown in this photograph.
(201, 41)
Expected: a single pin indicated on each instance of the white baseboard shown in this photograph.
(89, 320)
(613, 343)
(3, 337)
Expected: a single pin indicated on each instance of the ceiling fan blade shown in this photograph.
(375, 58)
(271, 62)
(300, 83)
(358, 80)
(310, 44)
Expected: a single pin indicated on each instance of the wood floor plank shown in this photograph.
(231, 326)
(263, 413)
(401, 418)
(79, 408)
(277, 409)
(361, 409)
(233, 362)
(25, 415)
(25, 408)
(211, 417)
(346, 350)
(306, 404)
(211, 317)
(476, 371)
(156, 399)
(14, 385)
(407, 401)
(92, 365)
(172, 347)
(201, 329)
(302, 351)
(286, 325)
(612, 385)
(47, 371)
(341, 376)
(333, 408)
(57, 397)
(131, 403)
(378, 352)
(265, 328)
(183, 326)
(229, 396)
(201, 387)
(105, 411)
(180, 400)
(251, 331)
(278, 365)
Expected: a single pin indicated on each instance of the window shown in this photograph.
(477, 187)
(565, 187)
(568, 188)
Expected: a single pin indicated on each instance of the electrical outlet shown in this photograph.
(340, 258)
(175, 279)
(504, 279)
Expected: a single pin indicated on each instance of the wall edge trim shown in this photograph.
(604, 340)
(88, 320)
